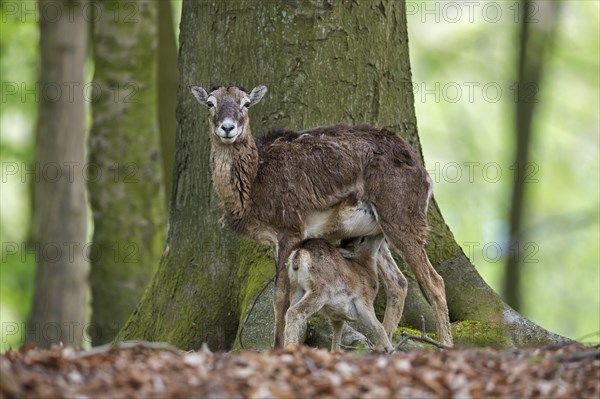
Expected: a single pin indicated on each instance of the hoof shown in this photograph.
(291, 347)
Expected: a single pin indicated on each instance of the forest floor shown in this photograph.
(158, 371)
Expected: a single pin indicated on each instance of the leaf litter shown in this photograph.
(159, 371)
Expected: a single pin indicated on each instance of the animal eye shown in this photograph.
(210, 104)
(246, 104)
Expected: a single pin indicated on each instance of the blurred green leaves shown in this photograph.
(18, 112)
(561, 263)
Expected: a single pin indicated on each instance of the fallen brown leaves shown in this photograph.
(142, 372)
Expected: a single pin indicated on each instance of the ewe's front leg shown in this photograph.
(281, 302)
(337, 326)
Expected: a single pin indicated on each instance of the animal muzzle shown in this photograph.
(228, 131)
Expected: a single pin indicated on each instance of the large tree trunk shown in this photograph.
(58, 313)
(126, 188)
(325, 62)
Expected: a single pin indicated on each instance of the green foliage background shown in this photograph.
(560, 252)
(467, 135)
(18, 67)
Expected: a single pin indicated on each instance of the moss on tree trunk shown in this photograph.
(126, 189)
(324, 62)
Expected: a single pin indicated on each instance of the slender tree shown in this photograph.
(534, 42)
(126, 188)
(325, 63)
(59, 212)
(167, 90)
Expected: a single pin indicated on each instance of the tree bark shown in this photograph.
(325, 62)
(126, 188)
(60, 216)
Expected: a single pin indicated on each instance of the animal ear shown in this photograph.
(257, 94)
(200, 94)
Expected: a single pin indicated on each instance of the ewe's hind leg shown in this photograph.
(337, 326)
(400, 202)
(413, 252)
(433, 286)
(396, 288)
(406, 228)
(296, 316)
(371, 327)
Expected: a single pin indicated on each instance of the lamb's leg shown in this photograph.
(296, 316)
(396, 288)
(337, 326)
(281, 300)
(372, 328)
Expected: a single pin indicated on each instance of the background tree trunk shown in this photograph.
(534, 42)
(324, 63)
(59, 304)
(126, 189)
(167, 91)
